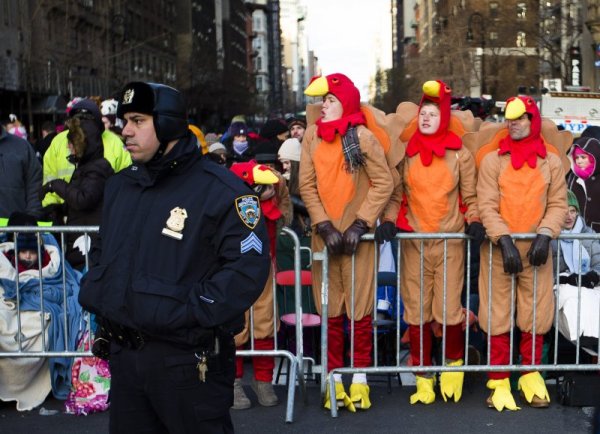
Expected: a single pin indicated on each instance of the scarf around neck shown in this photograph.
(571, 248)
(240, 147)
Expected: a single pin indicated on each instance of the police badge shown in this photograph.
(175, 223)
(128, 96)
(248, 209)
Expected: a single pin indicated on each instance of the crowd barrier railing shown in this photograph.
(59, 233)
(296, 361)
(397, 367)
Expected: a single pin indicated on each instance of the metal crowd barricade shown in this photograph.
(296, 362)
(467, 368)
(12, 233)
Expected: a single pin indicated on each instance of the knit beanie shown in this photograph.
(572, 200)
(290, 150)
(296, 121)
(211, 138)
(238, 129)
(272, 128)
(217, 147)
(25, 240)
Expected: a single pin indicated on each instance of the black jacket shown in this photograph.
(232, 157)
(83, 194)
(174, 289)
(587, 191)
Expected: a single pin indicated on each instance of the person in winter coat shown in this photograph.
(57, 165)
(184, 253)
(83, 194)
(437, 170)
(20, 176)
(297, 128)
(275, 208)
(570, 256)
(584, 179)
(289, 157)
(240, 148)
(345, 183)
(506, 207)
(22, 284)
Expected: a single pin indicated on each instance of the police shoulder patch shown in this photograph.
(248, 209)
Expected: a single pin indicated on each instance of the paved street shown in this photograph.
(391, 413)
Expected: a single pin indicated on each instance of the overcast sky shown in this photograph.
(349, 35)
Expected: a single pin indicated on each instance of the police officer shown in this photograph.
(184, 253)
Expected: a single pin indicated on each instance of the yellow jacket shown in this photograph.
(56, 165)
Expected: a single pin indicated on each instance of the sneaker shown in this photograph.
(265, 393)
(240, 400)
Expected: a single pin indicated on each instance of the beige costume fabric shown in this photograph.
(519, 201)
(330, 193)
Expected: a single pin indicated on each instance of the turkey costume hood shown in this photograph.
(531, 147)
(426, 145)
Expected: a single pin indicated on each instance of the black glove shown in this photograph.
(590, 279)
(55, 213)
(46, 188)
(538, 252)
(476, 231)
(571, 279)
(352, 235)
(331, 236)
(511, 258)
(386, 231)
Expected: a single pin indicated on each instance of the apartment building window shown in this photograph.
(521, 11)
(6, 13)
(493, 10)
(257, 24)
(521, 39)
(493, 36)
(259, 84)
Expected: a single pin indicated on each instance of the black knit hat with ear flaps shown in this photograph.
(165, 104)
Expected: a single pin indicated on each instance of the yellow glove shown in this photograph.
(533, 384)
(341, 397)
(359, 395)
(451, 383)
(502, 398)
(425, 393)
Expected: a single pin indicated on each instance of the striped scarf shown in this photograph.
(354, 159)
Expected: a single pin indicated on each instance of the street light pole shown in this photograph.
(477, 18)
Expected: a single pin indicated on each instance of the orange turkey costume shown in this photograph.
(436, 172)
(334, 192)
(521, 188)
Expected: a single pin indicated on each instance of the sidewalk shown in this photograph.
(391, 413)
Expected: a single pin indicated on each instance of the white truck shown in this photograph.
(574, 111)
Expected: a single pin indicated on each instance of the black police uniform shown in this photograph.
(174, 296)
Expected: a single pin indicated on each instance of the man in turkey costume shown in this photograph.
(345, 183)
(521, 189)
